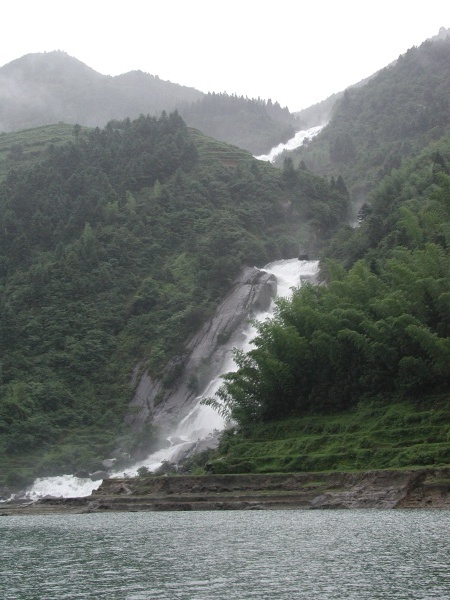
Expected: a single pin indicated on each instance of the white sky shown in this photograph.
(294, 51)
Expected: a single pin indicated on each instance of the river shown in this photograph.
(323, 555)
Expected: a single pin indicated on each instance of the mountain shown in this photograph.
(374, 127)
(49, 88)
(116, 244)
(46, 88)
(355, 374)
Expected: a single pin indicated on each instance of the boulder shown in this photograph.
(81, 474)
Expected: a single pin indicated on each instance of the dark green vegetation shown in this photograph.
(114, 248)
(377, 334)
(255, 125)
(393, 116)
(41, 89)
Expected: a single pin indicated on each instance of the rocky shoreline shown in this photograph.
(402, 489)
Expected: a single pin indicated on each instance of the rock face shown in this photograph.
(414, 488)
(421, 488)
(251, 293)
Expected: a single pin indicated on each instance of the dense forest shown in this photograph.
(115, 246)
(375, 127)
(255, 125)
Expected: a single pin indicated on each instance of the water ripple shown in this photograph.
(342, 555)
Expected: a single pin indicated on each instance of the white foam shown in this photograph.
(298, 140)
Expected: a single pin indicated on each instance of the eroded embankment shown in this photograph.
(415, 488)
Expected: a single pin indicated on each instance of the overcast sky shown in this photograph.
(294, 51)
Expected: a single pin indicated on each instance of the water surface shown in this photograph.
(337, 555)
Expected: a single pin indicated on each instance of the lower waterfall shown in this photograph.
(202, 421)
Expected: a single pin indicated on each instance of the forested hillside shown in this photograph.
(355, 373)
(255, 125)
(363, 361)
(115, 246)
(374, 128)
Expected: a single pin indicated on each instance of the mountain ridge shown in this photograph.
(48, 88)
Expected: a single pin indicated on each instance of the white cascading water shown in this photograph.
(202, 420)
(298, 140)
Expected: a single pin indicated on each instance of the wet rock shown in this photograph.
(120, 489)
(81, 474)
(97, 475)
(251, 293)
(108, 463)
(91, 507)
(5, 493)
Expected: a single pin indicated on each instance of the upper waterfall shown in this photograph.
(298, 140)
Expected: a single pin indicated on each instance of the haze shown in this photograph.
(295, 52)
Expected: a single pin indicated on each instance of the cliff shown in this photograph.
(251, 293)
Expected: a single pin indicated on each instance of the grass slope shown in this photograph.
(25, 148)
(372, 436)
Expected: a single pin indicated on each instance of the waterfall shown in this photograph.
(298, 140)
(202, 421)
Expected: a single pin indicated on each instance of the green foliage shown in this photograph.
(25, 148)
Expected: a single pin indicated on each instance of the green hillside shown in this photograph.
(25, 148)
(255, 125)
(115, 247)
(374, 128)
(372, 436)
(116, 244)
(355, 374)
